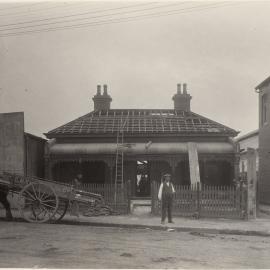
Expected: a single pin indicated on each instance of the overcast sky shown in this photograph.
(221, 52)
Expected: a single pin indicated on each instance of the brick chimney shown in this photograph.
(182, 99)
(102, 101)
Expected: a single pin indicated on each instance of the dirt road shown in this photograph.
(74, 246)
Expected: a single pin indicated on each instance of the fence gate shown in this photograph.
(205, 201)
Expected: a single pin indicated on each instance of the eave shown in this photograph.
(141, 135)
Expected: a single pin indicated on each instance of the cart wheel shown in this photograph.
(38, 202)
(61, 210)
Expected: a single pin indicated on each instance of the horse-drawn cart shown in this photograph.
(42, 200)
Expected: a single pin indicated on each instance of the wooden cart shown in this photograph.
(42, 200)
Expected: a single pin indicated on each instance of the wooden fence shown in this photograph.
(205, 201)
(119, 203)
(194, 200)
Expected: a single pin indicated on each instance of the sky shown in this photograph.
(220, 49)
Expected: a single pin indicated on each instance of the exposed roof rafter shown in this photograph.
(141, 122)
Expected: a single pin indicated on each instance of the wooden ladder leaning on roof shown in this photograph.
(119, 158)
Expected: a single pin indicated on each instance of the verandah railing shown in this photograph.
(119, 203)
(204, 201)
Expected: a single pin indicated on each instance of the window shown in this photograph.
(264, 109)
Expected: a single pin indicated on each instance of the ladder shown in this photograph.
(119, 159)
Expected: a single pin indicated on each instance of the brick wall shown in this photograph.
(12, 142)
(34, 155)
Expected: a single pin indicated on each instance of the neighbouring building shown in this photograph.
(20, 152)
(263, 90)
(249, 140)
(153, 141)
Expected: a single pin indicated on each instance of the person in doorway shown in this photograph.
(143, 185)
(77, 181)
(165, 195)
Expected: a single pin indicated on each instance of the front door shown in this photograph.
(142, 185)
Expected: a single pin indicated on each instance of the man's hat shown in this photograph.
(166, 175)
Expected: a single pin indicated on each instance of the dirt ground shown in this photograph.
(74, 246)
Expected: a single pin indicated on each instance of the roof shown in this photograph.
(263, 83)
(248, 135)
(145, 122)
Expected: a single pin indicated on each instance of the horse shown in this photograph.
(4, 201)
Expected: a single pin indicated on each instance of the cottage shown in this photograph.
(116, 145)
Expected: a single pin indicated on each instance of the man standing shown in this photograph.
(165, 194)
(74, 206)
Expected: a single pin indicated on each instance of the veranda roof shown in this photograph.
(139, 148)
(141, 122)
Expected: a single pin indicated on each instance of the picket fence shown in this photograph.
(193, 200)
(119, 203)
(204, 201)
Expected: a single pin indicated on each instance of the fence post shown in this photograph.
(257, 197)
(198, 190)
(152, 197)
(251, 183)
(128, 195)
(243, 198)
(237, 198)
